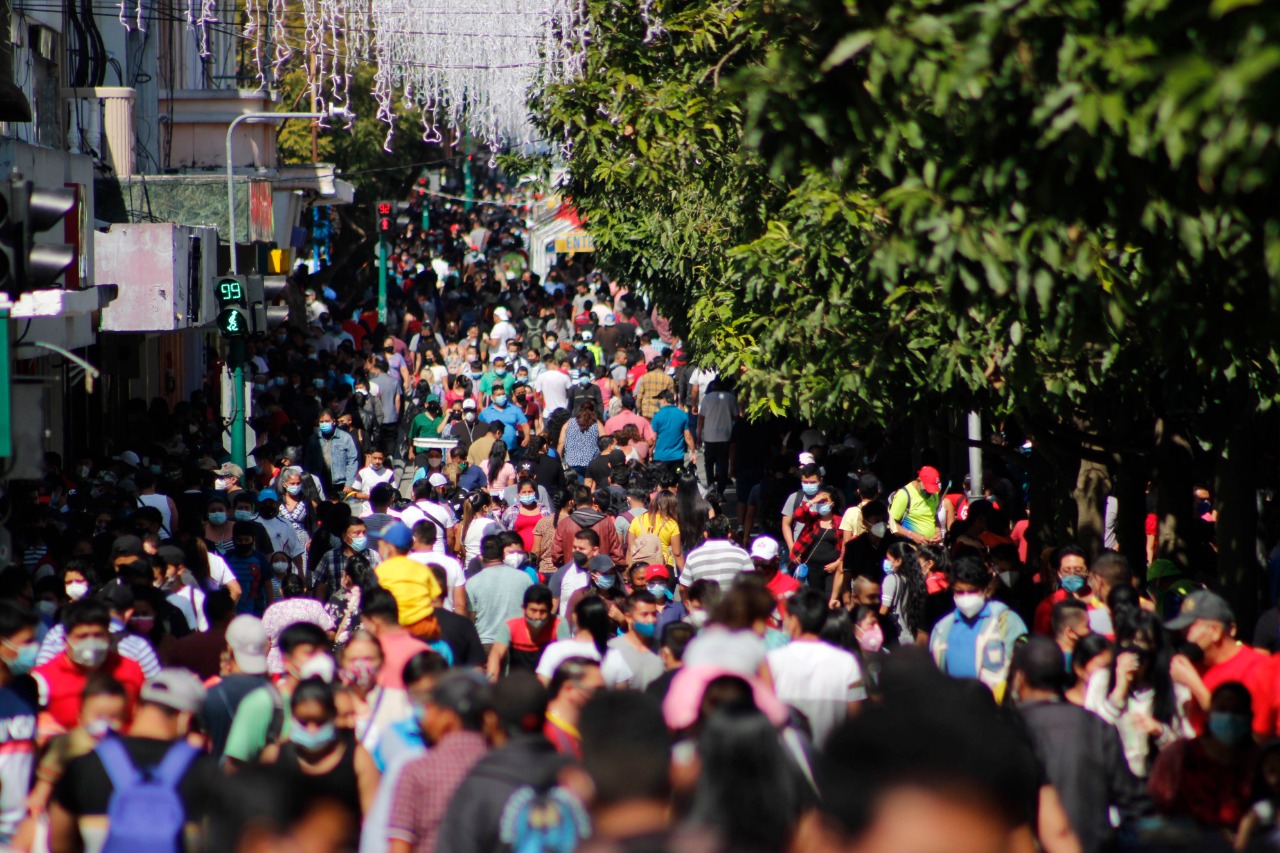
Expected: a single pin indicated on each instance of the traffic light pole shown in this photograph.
(6, 357)
(382, 278)
(235, 360)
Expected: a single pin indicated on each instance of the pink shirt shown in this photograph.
(397, 648)
(624, 418)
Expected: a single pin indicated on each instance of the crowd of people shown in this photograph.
(507, 573)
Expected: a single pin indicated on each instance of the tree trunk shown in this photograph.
(1174, 479)
(1241, 553)
(1090, 495)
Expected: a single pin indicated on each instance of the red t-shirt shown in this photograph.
(61, 682)
(781, 588)
(1250, 668)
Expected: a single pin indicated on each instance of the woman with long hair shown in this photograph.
(660, 520)
(544, 532)
(1137, 694)
(692, 512)
(579, 443)
(523, 517)
(903, 593)
(477, 523)
(818, 546)
(209, 569)
(498, 469)
(593, 628)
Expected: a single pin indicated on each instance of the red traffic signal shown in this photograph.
(386, 218)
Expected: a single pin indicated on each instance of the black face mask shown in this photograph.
(580, 559)
(244, 550)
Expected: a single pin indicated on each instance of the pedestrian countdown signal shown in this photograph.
(233, 322)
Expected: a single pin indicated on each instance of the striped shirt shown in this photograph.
(716, 560)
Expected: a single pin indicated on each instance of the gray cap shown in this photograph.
(1201, 604)
(179, 689)
(247, 640)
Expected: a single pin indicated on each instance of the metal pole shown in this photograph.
(237, 360)
(975, 457)
(382, 278)
(6, 357)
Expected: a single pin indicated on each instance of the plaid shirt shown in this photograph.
(648, 388)
(809, 533)
(427, 784)
(331, 566)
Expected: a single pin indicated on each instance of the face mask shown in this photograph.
(536, 624)
(824, 508)
(499, 371)
(217, 519)
(97, 729)
(1229, 729)
(280, 567)
(878, 530)
(312, 741)
(326, 428)
(697, 618)
(887, 565)
(809, 489)
(462, 466)
(658, 590)
(155, 469)
(469, 417)
(645, 629)
(1007, 578)
(83, 471)
(580, 559)
(142, 624)
(552, 343)
(375, 467)
(46, 607)
(294, 489)
(515, 561)
(1073, 583)
(360, 674)
(872, 639)
(528, 500)
(25, 660)
(244, 515)
(970, 604)
(220, 484)
(319, 666)
(500, 402)
(88, 653)
(77, 590)
(475, 374)
(359, 543)
(605, 581)
(244, 550)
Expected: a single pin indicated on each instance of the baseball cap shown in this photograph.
(1201, 604)
(229, 469)
(438, 480)
(433, 398)
(588, 335)
(171, 554)
(930, 479)
(807, 458)
(656, 571)
(468, 403)
(600, 563)
(131, 459)
(174, 688)
(609, 319)
(502, 313)
(268, 495)
(397, 533)
(247, 640)
(127, 546)
(764, 548)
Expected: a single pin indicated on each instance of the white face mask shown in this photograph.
(970, 604)
(878, 530)
(1007, 578)
(697, 618)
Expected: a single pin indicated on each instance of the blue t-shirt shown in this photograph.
(670, 423)
(510, 417)
(961, 660)
(17, 754)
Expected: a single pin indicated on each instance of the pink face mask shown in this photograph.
(872, 639)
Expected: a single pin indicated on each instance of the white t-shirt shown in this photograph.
(220, 575)
(427, 511)
(504, 332)
(613, 667)
(454, 576)
(553, 385)
(480, 528)
(191, 602)
(819, 680)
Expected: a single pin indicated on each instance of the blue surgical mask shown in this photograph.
(326, 428)
(294, 489)
(809, 489)
(528, 500)
(244, 515)
(659, 590)
(318, 382)
(824, 508)
(1229, 729)
(26, 657)
(217, 518)
(605, 581)
(1073, 583)
(500, 371)
(500, 402)
(645, 629)
(359, 543)
(312, 740)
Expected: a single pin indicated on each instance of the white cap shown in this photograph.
(764, 548)
(131, 459)
(502, 313)
(438, 480)
(807, 459)
(247, 640)
(468, 403)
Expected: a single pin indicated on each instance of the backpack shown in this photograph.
(145, 811)
(551, 821)
(644, 547)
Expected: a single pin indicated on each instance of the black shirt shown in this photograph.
(220, 707)
(463, 639)
(85, 788)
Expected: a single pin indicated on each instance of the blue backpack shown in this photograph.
(145, 811)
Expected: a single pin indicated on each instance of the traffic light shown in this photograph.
(275, 302)
(25, 212)
(386, 218)
(233, 299)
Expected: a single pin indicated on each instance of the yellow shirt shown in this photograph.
(665, 530)
(412, 584)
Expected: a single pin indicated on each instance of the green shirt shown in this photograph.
(248, 735)
(487, 381)
(916, 511)
(425, 426)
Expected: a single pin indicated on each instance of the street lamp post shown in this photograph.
(236, 356)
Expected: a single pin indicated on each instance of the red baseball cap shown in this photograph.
(657, 570)
(931, 480)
